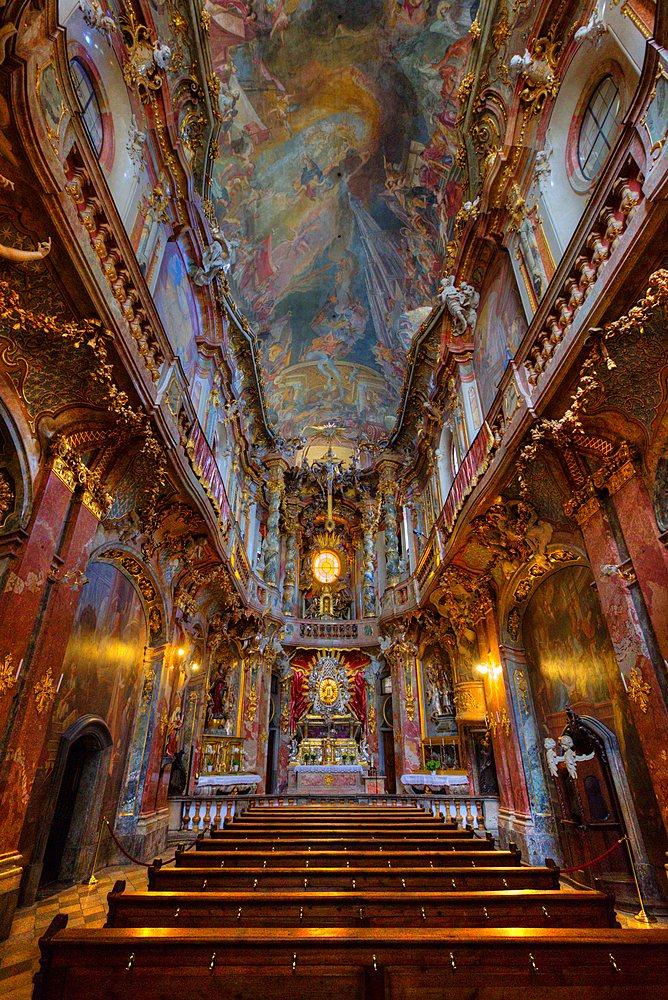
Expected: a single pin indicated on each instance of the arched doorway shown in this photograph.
(592, 819)
(70, 820)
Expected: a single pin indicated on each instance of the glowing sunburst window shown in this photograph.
(326, 566)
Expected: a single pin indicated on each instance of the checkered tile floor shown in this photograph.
(86, 906)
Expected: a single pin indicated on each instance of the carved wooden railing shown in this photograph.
(322, 633)
(194, 814)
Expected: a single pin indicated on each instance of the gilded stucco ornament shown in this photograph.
(539, 71)
(6, 673)
(145, 58)
(639, 690)
(44, 691)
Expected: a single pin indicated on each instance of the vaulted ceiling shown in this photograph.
(337, 189)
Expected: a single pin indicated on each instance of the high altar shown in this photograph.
(327, 754)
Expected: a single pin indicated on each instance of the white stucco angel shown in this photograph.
(595, 27)
(462, 303)
(552, 758)
(214, 260)
(162, 55)
(96, 17)
(571, 759)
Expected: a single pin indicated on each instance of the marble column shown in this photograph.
(407, 737)
(369, 526)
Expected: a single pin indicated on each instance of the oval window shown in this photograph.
(326, 566)
(599, 127)
(90, 107)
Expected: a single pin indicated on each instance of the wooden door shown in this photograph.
(388, 753)
(592, 820)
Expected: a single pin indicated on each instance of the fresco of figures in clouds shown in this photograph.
(337, 188)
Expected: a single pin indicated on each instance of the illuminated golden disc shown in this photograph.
(326, 566)
(329, 691)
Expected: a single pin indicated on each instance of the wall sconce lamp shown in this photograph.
(195, 666)
(493, 669)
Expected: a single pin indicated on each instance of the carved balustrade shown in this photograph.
(192, 815)
(116, 269)
(597, 247)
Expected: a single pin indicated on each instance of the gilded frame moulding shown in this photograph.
(53, 115)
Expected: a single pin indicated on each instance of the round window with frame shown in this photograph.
(599, 126)
(326, 566)
(89, 104)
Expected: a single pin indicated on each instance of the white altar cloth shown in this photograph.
(434, 780)
(226, 780)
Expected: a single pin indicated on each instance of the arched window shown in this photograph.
(90, 107)
(598, 128)
(454, 457)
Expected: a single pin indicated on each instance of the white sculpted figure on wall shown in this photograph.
(462, 304)
(595, 27)
(542, 166)
(136, 144)
(569, 758)
(95, 17)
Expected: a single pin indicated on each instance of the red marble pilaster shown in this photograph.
(27, 576)
(67, 527)
(513, 794)
(255, 726)
(406, 714)
(649, 558)
(632, 654)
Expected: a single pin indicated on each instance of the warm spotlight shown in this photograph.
(180, 652)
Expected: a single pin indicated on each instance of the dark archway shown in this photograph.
(66, 844)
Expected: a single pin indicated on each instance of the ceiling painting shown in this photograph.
(337, 190)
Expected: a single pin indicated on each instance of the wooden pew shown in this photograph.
(417, 879)
(340, 963)
(230, 835)
(511, 908)
(347, 859)
(218, 844)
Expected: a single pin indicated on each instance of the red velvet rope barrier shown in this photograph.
(565, 871)
(135, 861)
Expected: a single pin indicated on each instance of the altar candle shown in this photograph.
(18, 671)
(59, 683)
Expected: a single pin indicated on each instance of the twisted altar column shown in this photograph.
(272, 541)
(389, 491)
(369, 525)
(290, 513)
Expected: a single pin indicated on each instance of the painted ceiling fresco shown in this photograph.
(337, 189)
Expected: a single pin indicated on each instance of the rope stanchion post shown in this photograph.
(91, 880)
(642, 914)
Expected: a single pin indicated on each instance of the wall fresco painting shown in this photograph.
(103, 664)
(500, 328)
(177, 307)
(337, 190)
(572, 665)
